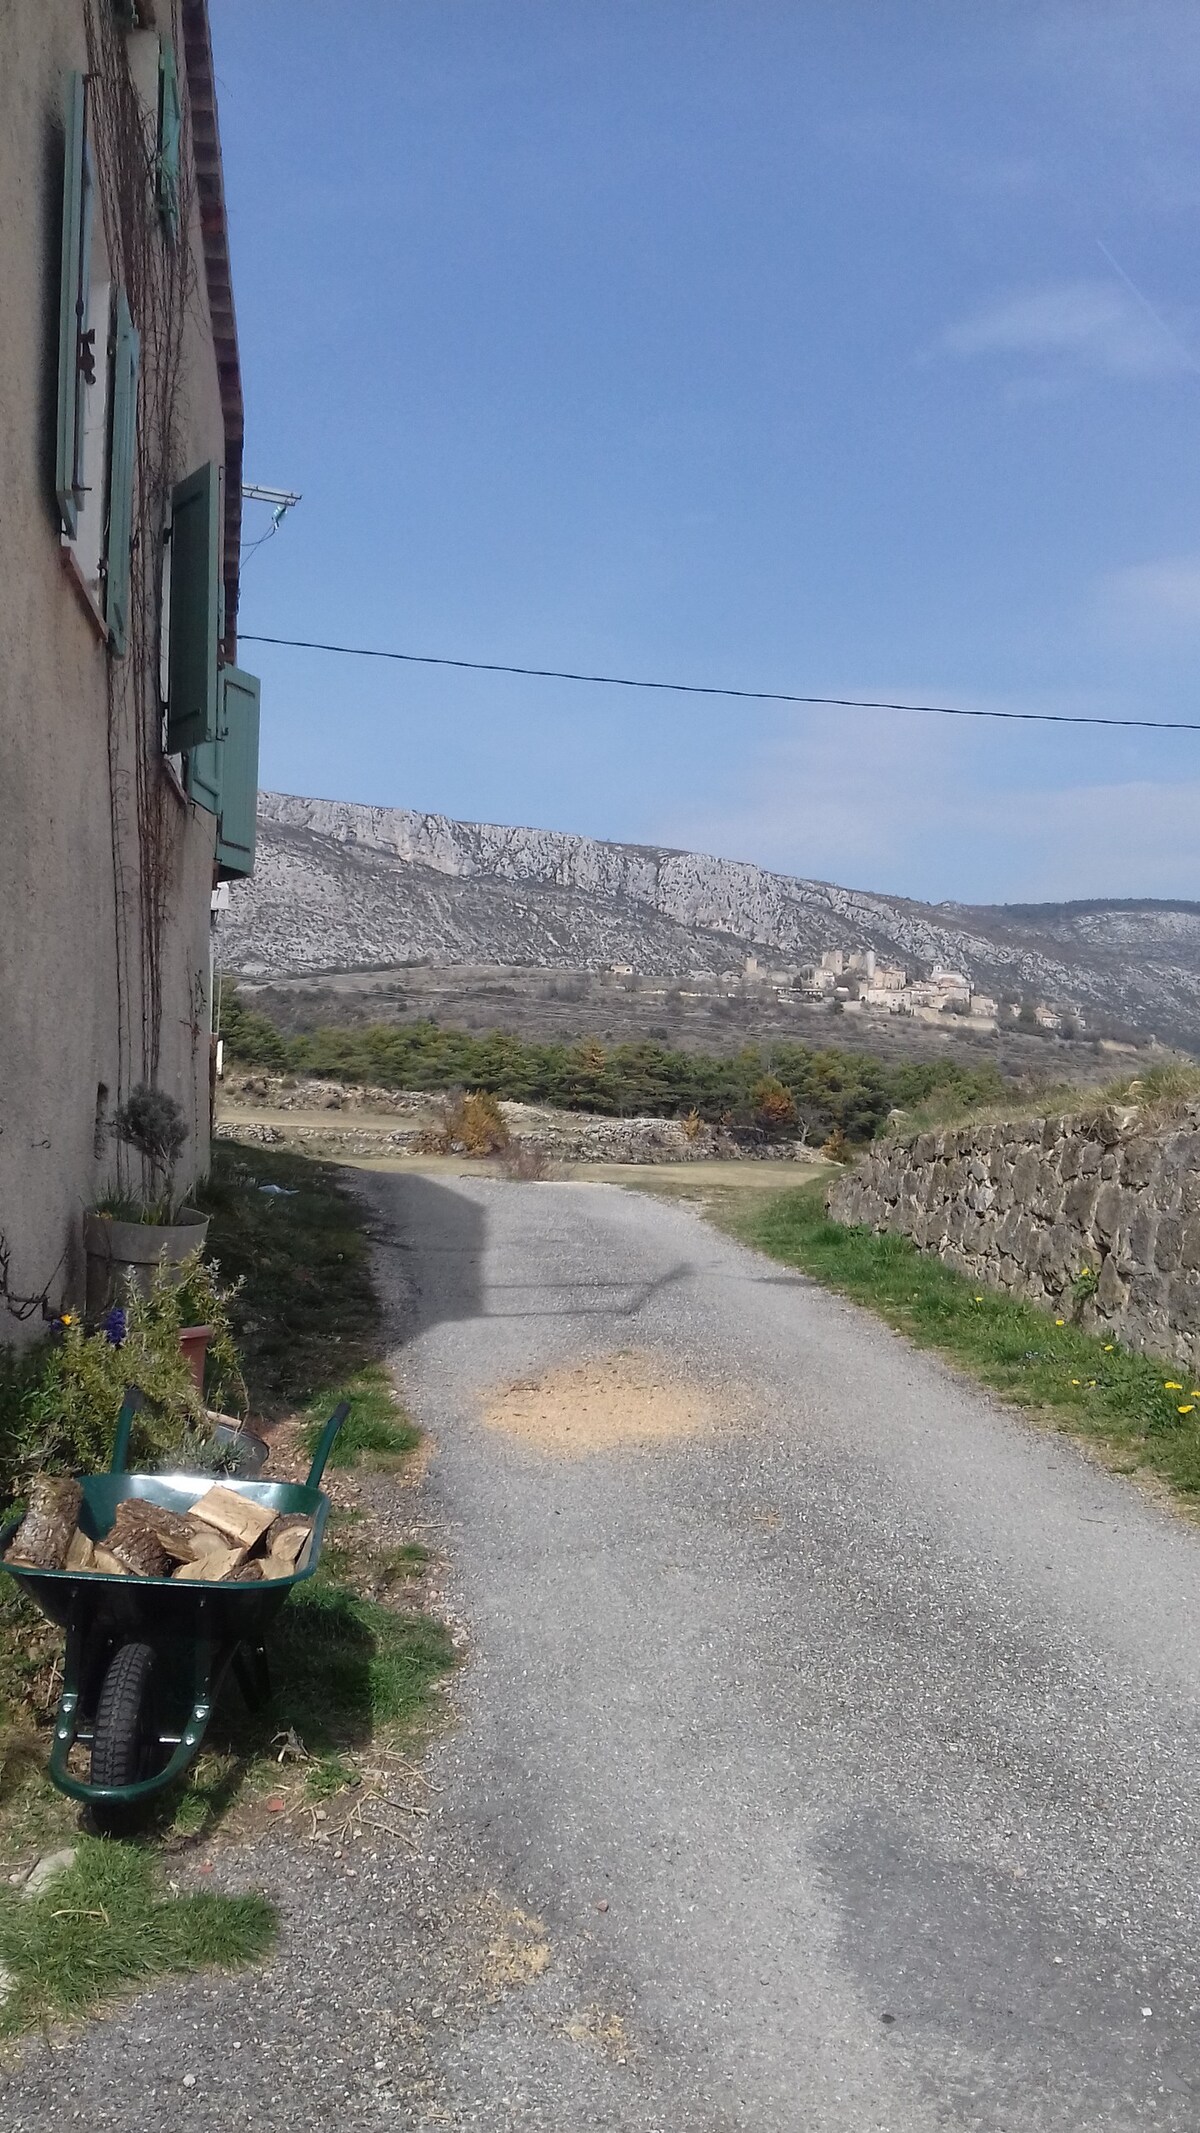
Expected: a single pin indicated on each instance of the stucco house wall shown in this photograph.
(106, 867)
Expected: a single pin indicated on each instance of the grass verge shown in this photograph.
(375, 1433)
(307, 1317)
(1145, 1414)
(106, 1926)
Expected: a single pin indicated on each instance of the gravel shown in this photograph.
(831, 1768)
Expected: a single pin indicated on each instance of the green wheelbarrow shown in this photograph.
(145, 1657)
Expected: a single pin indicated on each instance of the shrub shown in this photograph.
(526, 1162)
(248, 1036)
(472, 1124)
(59, 1405)
(774, 1108)
(153, 1123)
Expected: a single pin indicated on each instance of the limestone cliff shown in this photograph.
(340, 885)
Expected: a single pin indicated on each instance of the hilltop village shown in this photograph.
(854, 981)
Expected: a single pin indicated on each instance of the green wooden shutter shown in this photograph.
(169, 132)
(74, 287)
(122, 458)
(204, 776)
(238, 815)
(195, 609)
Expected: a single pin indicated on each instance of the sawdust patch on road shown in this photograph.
(603, 2029)
(601, 1405)
(506, 1947)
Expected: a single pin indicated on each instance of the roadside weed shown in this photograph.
(325, 1777)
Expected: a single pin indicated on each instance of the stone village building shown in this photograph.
(128, 736)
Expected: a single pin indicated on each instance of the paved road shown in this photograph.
(847, 1754)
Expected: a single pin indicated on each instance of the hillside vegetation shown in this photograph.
(785, 1089)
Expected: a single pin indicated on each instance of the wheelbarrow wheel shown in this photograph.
(124, 1737)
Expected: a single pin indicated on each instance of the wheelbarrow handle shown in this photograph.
(131, 1405)
(325, 1444)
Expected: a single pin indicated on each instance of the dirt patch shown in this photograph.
(601, 1404)
(515, 1948)
(605, 2031)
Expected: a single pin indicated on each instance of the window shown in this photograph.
(98, 358)
(212, 711)
(77, 338)
(223, 775)
(195, 610)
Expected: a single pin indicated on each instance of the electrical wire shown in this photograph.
(249, 548)
(696, 688)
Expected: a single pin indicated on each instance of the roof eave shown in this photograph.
(214, 230)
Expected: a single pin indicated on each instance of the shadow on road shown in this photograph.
(438, 1234)
(595, 1298)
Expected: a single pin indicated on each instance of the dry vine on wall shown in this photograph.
(158, 274)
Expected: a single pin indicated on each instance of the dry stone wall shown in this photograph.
(1045, 1207)
(359, 1125)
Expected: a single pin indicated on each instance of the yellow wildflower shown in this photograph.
(1185, 1410)
(1172, 1385)
(1060, 1321)
(1109, 1346)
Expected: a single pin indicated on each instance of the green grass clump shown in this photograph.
(1144, 1411)
(105, 1927)
(330, 1774)
(349, 1669)
(374, 1432)
(407, 1561)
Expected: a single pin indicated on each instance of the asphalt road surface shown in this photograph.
(826, 1763)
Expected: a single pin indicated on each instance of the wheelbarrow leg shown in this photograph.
(67, 1717)
(253, 1675)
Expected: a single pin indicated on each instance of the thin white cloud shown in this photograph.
(1092, 325)
(915, 813)
(1129, 839)
(1156, 596)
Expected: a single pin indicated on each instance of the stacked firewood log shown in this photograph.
(224, 1538)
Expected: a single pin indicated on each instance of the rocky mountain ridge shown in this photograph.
(339, 885)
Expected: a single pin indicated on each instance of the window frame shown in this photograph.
(74, 300)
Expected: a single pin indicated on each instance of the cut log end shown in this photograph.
(45, 1533)
(239, 1518)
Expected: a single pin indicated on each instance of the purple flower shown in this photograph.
(114, 1326)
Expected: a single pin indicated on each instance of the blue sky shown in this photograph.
(845, 346)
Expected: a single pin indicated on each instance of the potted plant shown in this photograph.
(137, 1234)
